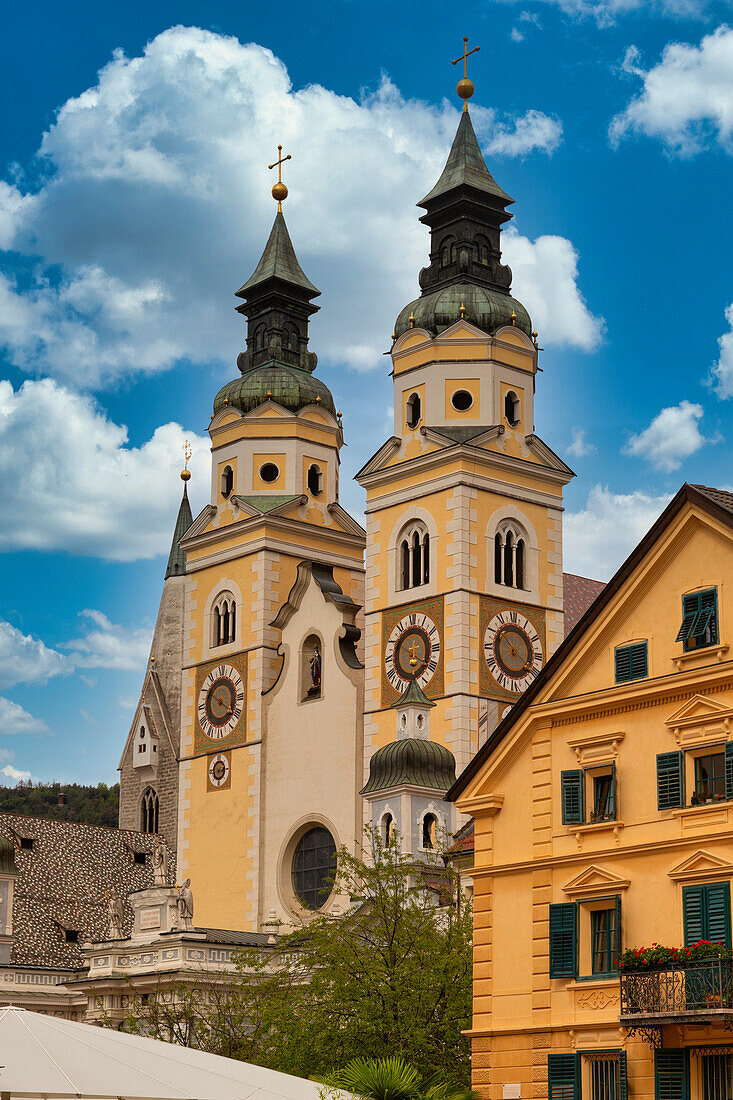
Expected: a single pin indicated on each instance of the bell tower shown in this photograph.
(464, 502)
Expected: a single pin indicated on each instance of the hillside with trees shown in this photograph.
(63, 802)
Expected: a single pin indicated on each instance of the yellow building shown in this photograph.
(603, 823)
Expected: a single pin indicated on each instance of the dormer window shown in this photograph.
(413, 410)
(227, 481)
(315, 480)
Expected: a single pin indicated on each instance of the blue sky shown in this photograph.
(134, 200)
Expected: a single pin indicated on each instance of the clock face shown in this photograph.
(221, 702)
(219, 770)
(513, 650)
(412, 650)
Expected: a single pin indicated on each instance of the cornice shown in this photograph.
(472, 480)
(277, 546)
(273, 519)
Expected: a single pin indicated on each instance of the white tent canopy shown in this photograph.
(41, 1056)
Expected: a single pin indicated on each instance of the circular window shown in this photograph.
(462, 400)
(314, 866)
(269, 472)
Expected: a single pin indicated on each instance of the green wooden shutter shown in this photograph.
(639, 661)
(729, 769)
(693, 913)
(623, 1080)
(670, 1075)
(670, 780)
(571, 793)
(631, 662)
(612, 795)
(563, 940)
(563, 1076)
(716, 897)
(618, 929)
(623, 664)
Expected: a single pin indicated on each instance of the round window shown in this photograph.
(269, 472)
(314, 866)
(461, 400)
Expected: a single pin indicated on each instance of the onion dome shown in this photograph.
(465, 211)
(288, 386)
(411, 762)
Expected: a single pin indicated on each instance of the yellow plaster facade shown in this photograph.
(541, 858)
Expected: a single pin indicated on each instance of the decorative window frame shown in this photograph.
(224, 586)
(397, 595)
(512, 518)
(441, 826)
(285, 890)
(302, 682)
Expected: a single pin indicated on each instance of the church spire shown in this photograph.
(177, 558)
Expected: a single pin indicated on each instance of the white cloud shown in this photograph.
(687, 98)
(579, 445)
(108, 645)
(606, 12)
(25, 659)
(69, 481)
(13, 720)
(672, 436)
(546, 270)
(166, 156)
(600, 537)
(721, 376)
(15, 774)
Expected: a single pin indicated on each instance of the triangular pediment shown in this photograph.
(595, 880)
(701, 865)
(698, 710)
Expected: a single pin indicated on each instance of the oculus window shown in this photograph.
(314, 867)
(462, 400)
(269, 472)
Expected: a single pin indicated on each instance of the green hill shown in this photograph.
(63, 802)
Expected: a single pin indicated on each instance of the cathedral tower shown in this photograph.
(464, 502)
(272, 700)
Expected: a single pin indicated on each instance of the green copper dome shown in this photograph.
(487, 309)
(290, 387)
(411, 762)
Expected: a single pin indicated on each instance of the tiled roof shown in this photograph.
(578, 594)
(719, 496)
(238, 939)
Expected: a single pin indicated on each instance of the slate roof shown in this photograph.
(278, 261)
(414, 694)
(578, 594)
(177, 558)
(237, 939)
(465, 166)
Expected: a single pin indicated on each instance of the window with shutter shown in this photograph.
(571, 791)
(563, 1076)
(706, 913)
(563, 940)
(631, 662)
(729, 769)
(670, 1075)
(699, 619)
(670, 780)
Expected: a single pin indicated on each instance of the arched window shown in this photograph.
(510, 556)
(227, 481)
(413, 410)
(388, 829)
(223, 620)
(259, 338)
(141, 742)
(429, 832)
(512, 409)
(291, 338)
(414, 556)
(315, 480)
(311, 667)
(149, 811)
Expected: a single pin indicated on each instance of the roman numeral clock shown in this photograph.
(513, 648)
(413, 648)
(221, 696)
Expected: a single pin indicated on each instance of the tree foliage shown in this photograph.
(63, 802)
(391, 1079)
(390, 976)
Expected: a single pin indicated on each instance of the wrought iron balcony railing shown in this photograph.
(698, 991)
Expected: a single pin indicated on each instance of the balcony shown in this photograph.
(699, 993)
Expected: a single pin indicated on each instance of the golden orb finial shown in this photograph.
(514, 317)
(535, 334)
(185, 472)
(279, 190)
(412, 320)
(465, 88)
(462, 310)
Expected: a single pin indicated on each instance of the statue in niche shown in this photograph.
(115, 916)
(185, 906)
(314, 669)
(160, 863)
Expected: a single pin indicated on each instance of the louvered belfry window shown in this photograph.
(631, 662)
(699, 626)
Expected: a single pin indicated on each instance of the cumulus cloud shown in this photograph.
(14, 719)
(166, 156)
(25, 659)
(599, 537)
(579, 445)
(546, 270)
(721, 376)
(686, 101)
(70, 481)
(673, 435)
(606, 12)
(16, 774)
(107, 645)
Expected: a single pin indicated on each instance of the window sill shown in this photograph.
(601, 980)
(598, 827)
(700, 811)
(710, 651)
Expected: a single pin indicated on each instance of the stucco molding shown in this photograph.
(701, 866)
(595, 880)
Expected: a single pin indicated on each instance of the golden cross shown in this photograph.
(465, 86)
(279, 190)
(412, 650)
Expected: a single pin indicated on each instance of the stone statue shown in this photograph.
(160, 863)
(185, 906)
(115, 916)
